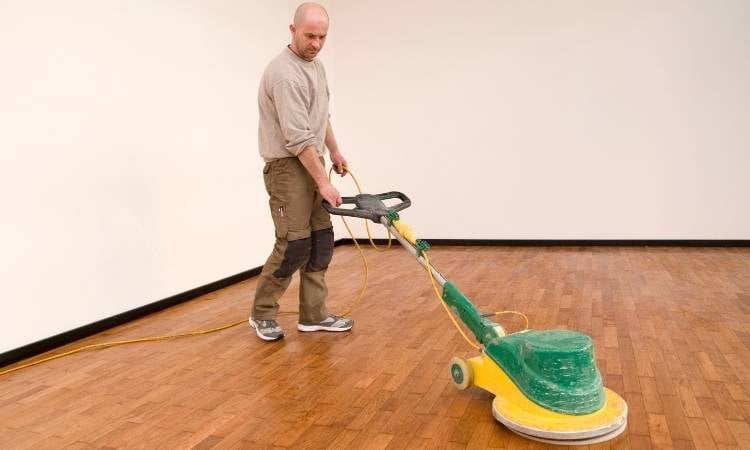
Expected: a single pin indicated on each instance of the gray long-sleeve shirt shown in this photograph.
(293, 107)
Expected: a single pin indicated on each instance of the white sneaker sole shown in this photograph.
(301, 327)
(260, 335)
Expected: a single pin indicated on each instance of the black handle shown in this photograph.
(368, 206)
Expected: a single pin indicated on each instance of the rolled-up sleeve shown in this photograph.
(294, 119)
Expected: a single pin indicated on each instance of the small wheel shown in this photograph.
(461, 375)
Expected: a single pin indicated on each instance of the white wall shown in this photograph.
(546, 119)
(128, 156)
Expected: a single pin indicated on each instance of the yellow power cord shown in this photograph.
(351, 307)
(114, 343)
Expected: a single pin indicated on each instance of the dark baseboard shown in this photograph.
(570, 242)
(67, 337)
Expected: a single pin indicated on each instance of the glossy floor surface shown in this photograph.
(671, 328)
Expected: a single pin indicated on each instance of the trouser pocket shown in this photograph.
(279, 219)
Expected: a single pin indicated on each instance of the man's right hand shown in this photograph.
(330, 194)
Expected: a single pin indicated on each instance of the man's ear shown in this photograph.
(292, 28)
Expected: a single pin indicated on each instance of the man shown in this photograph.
(294, 132)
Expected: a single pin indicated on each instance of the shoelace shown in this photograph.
(268, 324)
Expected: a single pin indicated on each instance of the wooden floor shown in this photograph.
(671, 328)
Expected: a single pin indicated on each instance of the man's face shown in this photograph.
(308, 38)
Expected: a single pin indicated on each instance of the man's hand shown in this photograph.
(330, 194)
(339, 163)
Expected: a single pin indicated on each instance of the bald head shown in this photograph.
(310, 12)
(309, 30)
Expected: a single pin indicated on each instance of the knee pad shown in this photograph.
(322, 250)
(295, 255)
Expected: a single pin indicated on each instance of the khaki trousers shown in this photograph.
(304, 242)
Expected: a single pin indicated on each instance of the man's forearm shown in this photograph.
(310, 159)
(330, 140)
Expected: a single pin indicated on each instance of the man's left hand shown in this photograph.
(339, 163)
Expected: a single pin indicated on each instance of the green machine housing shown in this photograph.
(555, 368)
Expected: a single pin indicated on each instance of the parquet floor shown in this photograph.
(671, 328)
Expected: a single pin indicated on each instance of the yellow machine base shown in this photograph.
(514, 410)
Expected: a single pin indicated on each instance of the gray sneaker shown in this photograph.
(330, 323)
(268, 330)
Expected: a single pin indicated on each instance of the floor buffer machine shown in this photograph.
(546, 383)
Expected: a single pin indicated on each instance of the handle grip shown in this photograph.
(368, 206)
